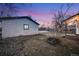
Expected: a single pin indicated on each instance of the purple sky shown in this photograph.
(43, 12)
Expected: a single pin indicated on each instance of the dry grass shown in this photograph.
(37, 45)
(71, 43)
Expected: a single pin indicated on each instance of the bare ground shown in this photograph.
(37, 45)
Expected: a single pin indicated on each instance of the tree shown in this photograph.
(7, 9)
(61, 15)
(10, 9)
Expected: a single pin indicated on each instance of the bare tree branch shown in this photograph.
(59, 16)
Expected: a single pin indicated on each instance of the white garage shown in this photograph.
(18, 26)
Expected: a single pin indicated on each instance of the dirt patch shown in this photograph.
(71, 44)
(17, 45)
(37, 45)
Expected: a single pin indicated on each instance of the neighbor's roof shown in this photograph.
(71, 17)
(18, 17)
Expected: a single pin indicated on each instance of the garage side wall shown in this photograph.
(14, 27)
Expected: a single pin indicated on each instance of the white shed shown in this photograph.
(18, 26)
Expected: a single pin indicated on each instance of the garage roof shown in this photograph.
(18, 17)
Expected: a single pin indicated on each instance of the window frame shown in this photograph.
(25, 25)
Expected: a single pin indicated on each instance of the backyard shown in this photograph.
(37, 45)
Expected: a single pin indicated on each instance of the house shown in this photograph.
(17, 26)
(72, 23)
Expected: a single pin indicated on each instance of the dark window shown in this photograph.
(26, 26)
(0, 29)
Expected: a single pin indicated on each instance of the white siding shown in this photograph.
(77, 28)
(14, 27)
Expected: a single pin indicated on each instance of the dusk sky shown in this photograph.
(43, 12)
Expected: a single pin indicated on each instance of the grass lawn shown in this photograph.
(37, 45)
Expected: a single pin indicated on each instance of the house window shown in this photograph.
(26, 26)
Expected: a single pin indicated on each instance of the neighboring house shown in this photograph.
(18, 26)
(72, 23)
